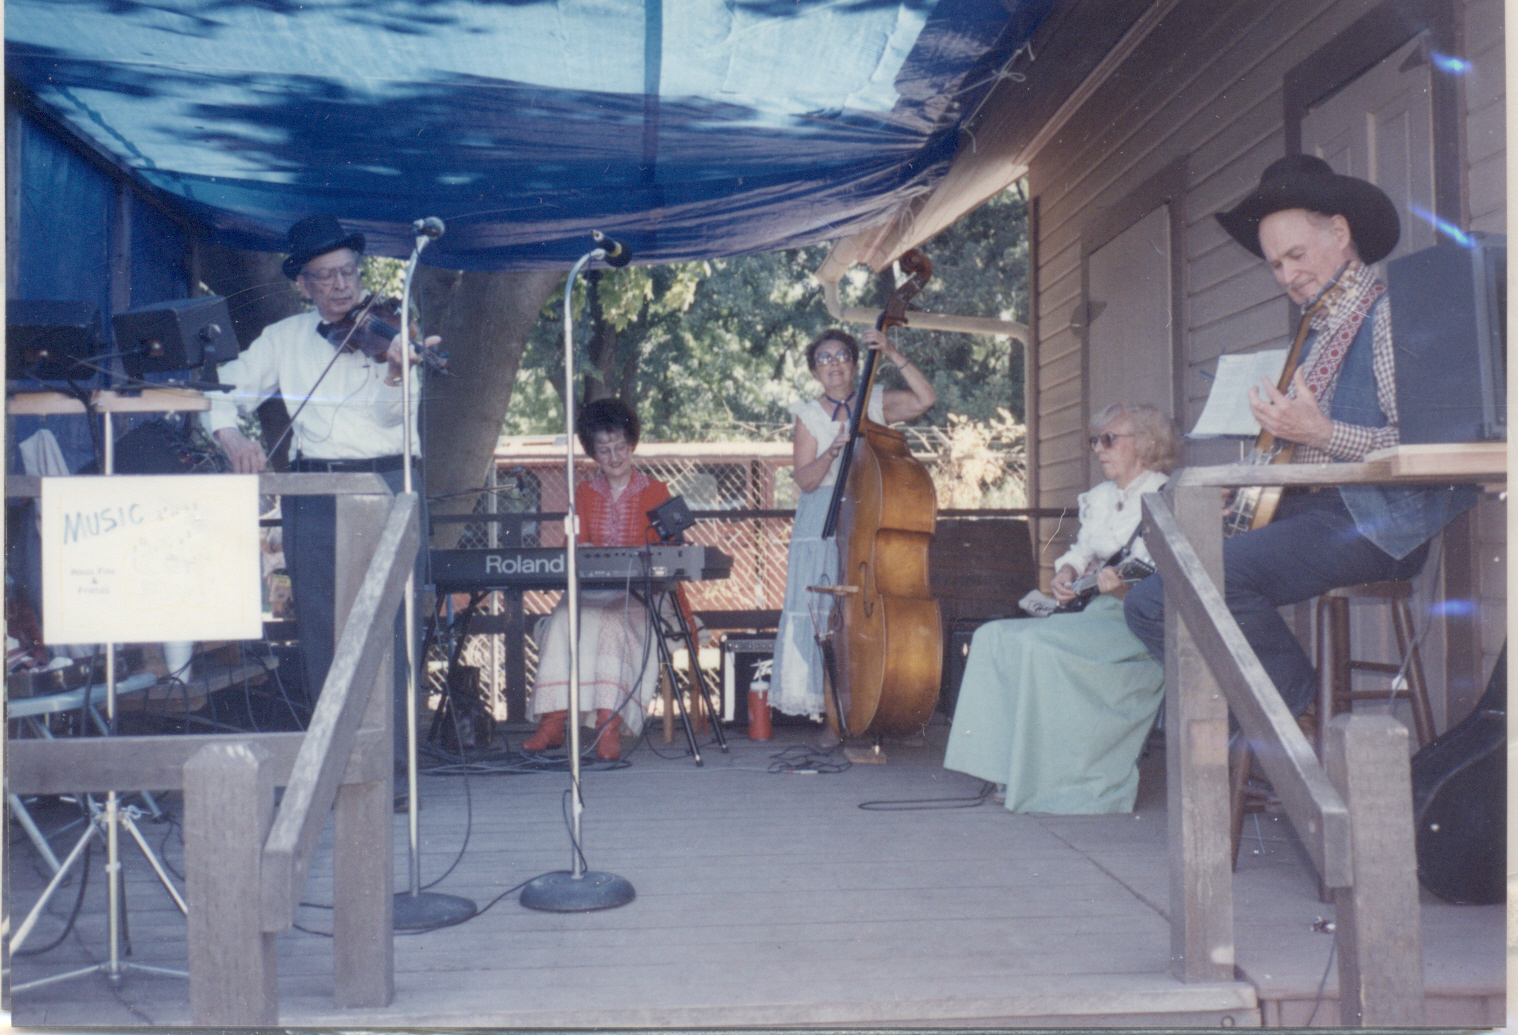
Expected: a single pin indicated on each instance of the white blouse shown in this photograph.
(817, 418)
(1108, 517)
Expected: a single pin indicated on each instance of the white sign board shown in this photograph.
(148, 558)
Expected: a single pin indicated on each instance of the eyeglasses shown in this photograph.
(827, 359)
(1106, 438)
(327, 276)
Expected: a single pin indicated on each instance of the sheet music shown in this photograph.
(1226, 413)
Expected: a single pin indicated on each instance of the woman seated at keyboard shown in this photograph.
(1056, 709)
(618, 659)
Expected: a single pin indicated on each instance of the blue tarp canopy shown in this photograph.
(687, 129)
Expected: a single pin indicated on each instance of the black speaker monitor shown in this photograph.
(180, 334)
(46, 339)
(1449, 329)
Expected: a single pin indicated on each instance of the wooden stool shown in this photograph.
(1335, 665)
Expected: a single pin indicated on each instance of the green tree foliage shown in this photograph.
(715, 350)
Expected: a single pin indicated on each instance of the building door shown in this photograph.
(1380, 127)
(1130, 342)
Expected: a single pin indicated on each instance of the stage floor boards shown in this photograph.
(880, 896)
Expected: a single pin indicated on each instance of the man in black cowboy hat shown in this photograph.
(346, 415)
(1320, 233)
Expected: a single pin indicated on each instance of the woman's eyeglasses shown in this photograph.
(1106, 438)
(827, 359)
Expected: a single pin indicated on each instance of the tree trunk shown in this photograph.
(484, 320)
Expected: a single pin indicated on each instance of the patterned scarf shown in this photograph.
(1359, 292)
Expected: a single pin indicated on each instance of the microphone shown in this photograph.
(615, 253)
(432, 226)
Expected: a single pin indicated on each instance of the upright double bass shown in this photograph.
(887, 640)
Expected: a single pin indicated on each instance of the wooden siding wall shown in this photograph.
(1206, 85)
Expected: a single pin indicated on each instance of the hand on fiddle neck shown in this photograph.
(246, 455)
(397, 350)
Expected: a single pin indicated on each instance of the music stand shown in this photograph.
(112, 818)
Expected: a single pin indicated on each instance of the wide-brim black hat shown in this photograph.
(1306, 181)
(317, 235)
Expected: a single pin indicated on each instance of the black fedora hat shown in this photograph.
(317, 235)
(1306, 181)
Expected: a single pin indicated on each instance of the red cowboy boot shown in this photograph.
(609, 744)
(550, 732)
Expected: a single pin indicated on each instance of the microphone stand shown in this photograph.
(415, 909)
(576, 890)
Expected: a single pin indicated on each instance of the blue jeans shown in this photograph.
(1312, 546)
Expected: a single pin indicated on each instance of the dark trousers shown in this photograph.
(1312, 546)
(310, 544)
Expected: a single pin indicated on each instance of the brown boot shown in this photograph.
(550, 732)
(609, 744)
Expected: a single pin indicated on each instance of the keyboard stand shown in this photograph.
(664, 630)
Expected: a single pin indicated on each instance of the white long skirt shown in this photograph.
(619, 661)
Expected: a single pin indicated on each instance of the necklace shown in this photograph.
(1125, 491)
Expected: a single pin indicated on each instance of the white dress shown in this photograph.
(796, 673)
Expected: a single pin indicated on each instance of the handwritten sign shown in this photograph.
(147, 558)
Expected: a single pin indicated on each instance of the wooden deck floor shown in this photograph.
(775, 900)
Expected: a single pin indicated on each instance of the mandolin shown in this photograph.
(1129, 568)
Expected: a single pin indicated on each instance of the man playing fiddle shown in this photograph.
(1320, 233)
(346, 416)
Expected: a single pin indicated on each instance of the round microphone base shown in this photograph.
(563, 892)
(428, 909)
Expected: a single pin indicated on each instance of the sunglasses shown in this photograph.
(825, 359)
(1106, 438)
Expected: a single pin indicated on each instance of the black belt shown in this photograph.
(378, 464)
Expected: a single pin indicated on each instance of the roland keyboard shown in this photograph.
(544, 567)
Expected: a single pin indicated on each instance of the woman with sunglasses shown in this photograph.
(821, 431)
(1056, 709)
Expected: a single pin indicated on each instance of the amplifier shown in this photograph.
(956, 652)
(1449, 315)
(744, 659)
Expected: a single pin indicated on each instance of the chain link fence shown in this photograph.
(743, 497)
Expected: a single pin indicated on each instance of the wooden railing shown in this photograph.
(1352, 811)
(246, 863)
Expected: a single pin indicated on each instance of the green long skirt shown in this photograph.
(1057, 709)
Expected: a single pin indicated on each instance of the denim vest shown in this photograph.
(1394, 518)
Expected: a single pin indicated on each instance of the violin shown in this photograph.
(371, 326)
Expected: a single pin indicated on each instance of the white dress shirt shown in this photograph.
(352, 413)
